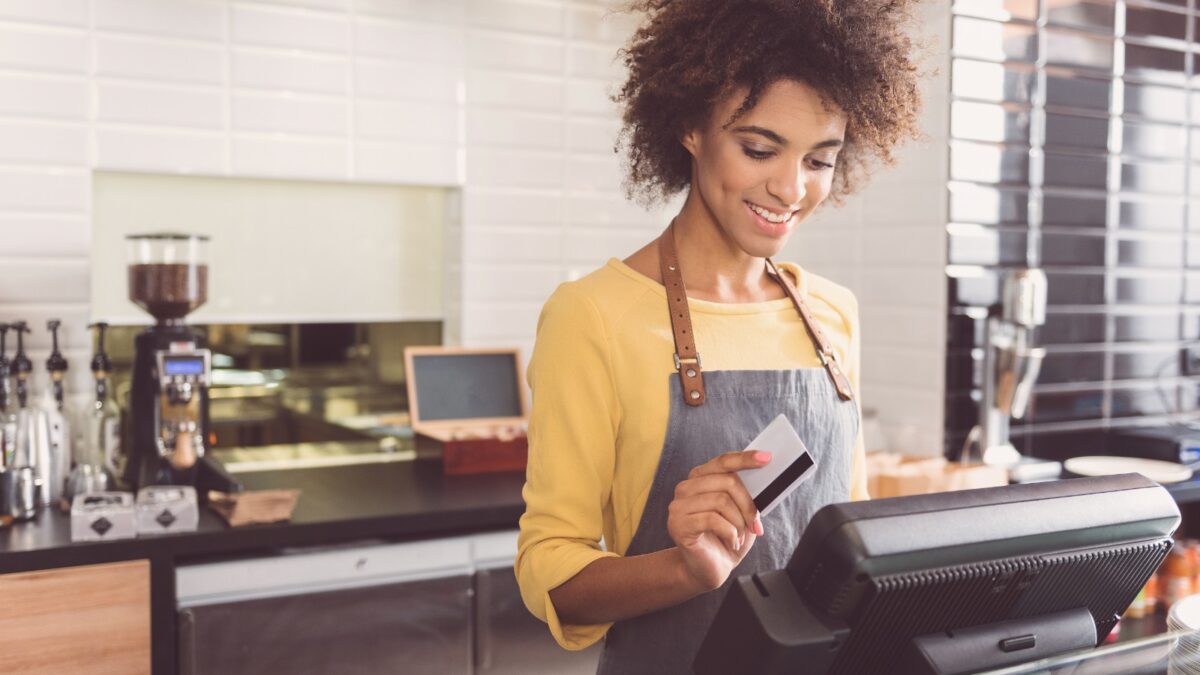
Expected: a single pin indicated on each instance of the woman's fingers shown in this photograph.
(732, 462)
(718, 502)
(722, 483)
(698, 524)
(686, 526)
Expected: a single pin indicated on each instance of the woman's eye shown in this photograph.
(819, 165)
(756, 154)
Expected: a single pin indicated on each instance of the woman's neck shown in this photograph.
(714, 267)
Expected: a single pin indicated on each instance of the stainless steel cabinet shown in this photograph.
(444, 606)
(384, 608)
(411, 627)
(511, 641)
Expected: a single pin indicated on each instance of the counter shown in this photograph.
(392, 501)
(383, 501)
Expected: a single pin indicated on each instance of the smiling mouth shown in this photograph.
(769, 215)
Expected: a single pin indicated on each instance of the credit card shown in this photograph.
(791, 464)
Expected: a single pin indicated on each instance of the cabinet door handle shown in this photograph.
(187, 642)
(483, 619)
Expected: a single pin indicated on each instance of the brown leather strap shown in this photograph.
(687, 359)
(824, 350)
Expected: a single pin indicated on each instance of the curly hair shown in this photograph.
(690, 54)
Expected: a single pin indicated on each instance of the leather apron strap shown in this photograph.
(687, 359)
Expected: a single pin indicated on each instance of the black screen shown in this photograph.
(466, 386)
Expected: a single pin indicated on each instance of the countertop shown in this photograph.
(392, 501)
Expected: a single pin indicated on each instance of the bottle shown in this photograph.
(57, 454)
(8, 432)
(102, 422)
(8, 408)
(33, 435)
(1151, 591)
(1177, 575)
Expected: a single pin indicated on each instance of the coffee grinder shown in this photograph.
(168, 277)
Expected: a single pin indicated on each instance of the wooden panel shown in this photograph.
(89, 619)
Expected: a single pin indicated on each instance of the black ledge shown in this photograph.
(393, 501)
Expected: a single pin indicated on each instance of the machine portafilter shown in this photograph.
(1011, 364)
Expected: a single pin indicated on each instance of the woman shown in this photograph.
(759, 110)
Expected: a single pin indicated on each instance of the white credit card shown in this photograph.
(791, 464)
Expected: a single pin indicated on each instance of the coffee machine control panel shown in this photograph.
(180, 371)
(183, 374)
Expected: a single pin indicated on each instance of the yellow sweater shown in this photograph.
(600, 374)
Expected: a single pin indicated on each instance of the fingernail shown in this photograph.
(760, 456)
(758, 528)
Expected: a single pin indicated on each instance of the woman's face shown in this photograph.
(771, 168)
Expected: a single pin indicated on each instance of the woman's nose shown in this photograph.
(789, 187)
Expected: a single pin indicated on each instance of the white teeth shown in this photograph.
(768, 215)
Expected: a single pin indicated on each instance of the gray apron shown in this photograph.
(740, 404)
(736, 406)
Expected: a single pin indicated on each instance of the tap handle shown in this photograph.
(21, 365)
(100, 363)
(4, 327)
(56, 364)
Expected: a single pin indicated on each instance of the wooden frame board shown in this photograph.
(439, 428)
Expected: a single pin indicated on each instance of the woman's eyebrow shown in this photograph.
(776, 138)
(765, 133)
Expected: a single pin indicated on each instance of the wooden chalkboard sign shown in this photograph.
(471, 403)
(452, 387)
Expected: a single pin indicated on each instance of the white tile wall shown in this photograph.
(265, 68)
(28, 95)
(508, 99)
(45, 235)
(294, 28)
(177, 18)
(159, 105)
(64, 12)
(290, 114)
(888, 245)
(155, 151)
(44, 142)
(162, 60)
(50, 49)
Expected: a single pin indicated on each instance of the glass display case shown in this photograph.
(1170, 652)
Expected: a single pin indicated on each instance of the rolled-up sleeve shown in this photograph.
(572, 441)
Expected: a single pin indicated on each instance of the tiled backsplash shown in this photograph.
(1072, 151)
(505, 99)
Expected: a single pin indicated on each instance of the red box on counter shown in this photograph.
(470, 403)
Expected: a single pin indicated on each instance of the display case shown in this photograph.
(1171, 652)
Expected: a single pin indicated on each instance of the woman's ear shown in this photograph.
(691, 141)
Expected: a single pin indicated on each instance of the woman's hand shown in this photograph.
(712, 519)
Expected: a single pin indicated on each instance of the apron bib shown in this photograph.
(713, 413)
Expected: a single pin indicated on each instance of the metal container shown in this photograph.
(1023, 297)
(87, 479)
(1016, 372)
(18, 492)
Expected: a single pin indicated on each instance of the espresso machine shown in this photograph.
(172, 370)
(1010, 366)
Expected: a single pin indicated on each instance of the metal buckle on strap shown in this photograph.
(679, 361)
(826, 357)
